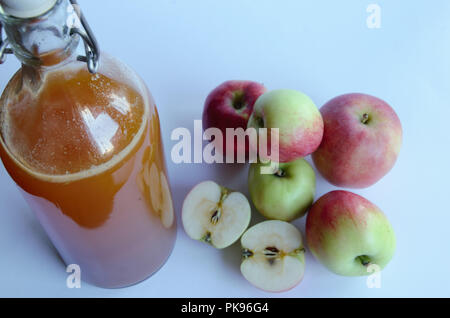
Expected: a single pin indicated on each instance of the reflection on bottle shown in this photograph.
(153, 184)
(101, 129)
(120, 103)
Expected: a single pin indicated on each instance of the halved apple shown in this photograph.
(273, 256)
(215, 215)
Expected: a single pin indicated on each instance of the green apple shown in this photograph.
(348, 234)
(285, 194)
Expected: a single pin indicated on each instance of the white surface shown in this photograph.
(183, 49)
(26, 8)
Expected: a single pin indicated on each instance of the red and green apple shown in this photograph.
(361, 141)
(347, 233)
(294, 114)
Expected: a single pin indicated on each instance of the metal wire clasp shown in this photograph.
(90, 43)
(84, 31)
(4, 49)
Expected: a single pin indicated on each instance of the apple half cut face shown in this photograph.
(215, 215)
(160, 196)
(273, 256)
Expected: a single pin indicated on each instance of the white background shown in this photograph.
(183, 49)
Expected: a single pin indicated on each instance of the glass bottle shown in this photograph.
(80, 136)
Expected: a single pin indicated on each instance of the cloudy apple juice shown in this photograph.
(86, 152)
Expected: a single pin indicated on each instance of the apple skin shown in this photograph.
(342, 226)
(296, 116)
(285, 195)
(229, 106)
(354, 154)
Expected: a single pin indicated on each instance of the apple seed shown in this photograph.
(215, 217)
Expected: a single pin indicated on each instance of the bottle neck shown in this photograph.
(45, 40)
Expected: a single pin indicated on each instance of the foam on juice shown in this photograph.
(78, 138)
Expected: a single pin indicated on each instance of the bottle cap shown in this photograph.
(26, 8)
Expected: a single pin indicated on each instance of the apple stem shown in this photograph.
(246, 253)
(259, 122)
(238, 101)
(300, 250)
(224, 193)
(280, 173)
(364, 259)
(207, 238)
(365, 118)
